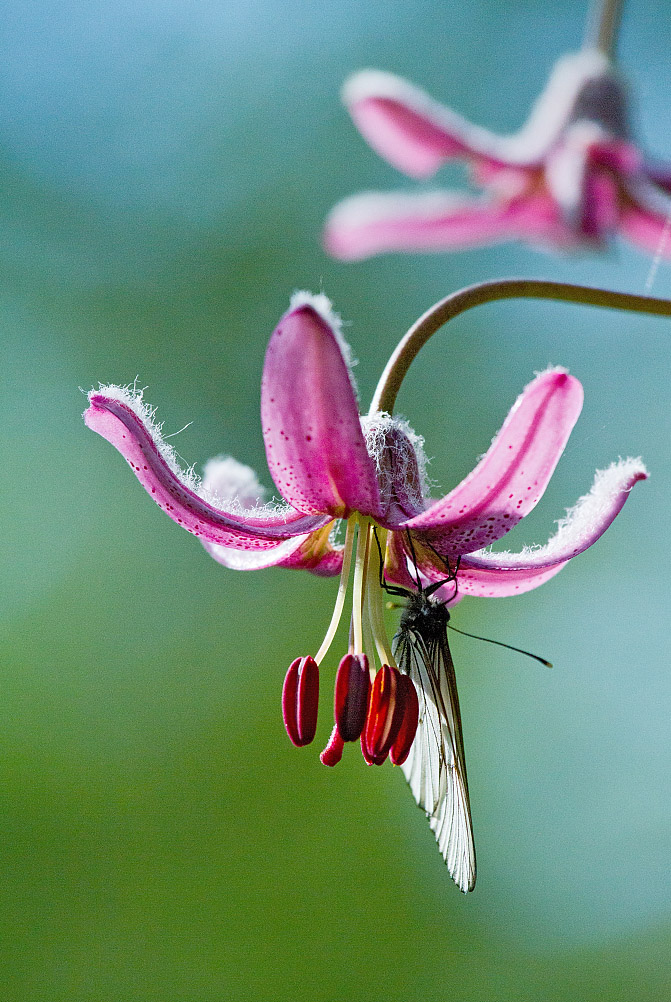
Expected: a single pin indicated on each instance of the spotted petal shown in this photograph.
(311, 552)
(122, 417)
(235, 483)
(315, 447)
(491, 575)
(511, 478)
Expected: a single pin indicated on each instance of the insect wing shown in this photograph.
(435, 767)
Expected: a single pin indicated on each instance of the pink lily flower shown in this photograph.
(331, 466)
(569, 178)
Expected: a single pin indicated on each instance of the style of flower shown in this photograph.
(332, 466)
(569, 178)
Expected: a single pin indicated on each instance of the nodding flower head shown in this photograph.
(334, 468)
(569, 178)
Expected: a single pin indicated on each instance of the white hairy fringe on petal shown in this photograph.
(245, 501)
(226, 479)
(584, 522)
(321, 304)
(370, 207)
(366, 84)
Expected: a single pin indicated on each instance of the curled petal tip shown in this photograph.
(314, 444)
(121, 416)
(491, 574)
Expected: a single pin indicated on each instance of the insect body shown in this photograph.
(436, 767)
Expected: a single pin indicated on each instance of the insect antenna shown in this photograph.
(499, 643)
(451, 574)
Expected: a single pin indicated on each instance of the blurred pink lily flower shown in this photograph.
(331, 466)
(569, 178)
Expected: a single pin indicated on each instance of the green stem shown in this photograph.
(602, 26)
(486, 292)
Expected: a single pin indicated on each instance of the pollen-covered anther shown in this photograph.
(352, 693)
(407, 695)
(385, 715)
(300, 700)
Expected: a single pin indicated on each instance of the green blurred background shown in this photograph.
(166, 169)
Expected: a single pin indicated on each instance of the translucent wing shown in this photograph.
(435, 767)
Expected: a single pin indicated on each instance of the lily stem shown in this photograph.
(486, 292)
(602, 26)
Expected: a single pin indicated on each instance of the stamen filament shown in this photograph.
(602, 26)
(375, 605)
(342, 592)
(369, 639)
(359, 584)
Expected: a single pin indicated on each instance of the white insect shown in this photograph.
(436, 767)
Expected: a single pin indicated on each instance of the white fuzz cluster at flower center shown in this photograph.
(227, 479)
(399, 457)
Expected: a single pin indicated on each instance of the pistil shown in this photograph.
(374, 594)
(360, 575)
(342, 591)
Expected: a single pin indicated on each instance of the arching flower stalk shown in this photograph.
(334, 467)
(570, 178)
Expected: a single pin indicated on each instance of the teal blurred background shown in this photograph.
(166, 169)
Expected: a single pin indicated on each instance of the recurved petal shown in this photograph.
(315, 447)
(408, 128)
(510, 479)
(312, 552)
(500, 574)
(644, 217)
(121, 416)
(482, 583)
(398, 563)
(379, 223)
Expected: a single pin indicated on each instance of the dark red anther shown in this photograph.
(407, 696)
(333, 751)
(352, 691)
(300, 700)
(385, 715)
